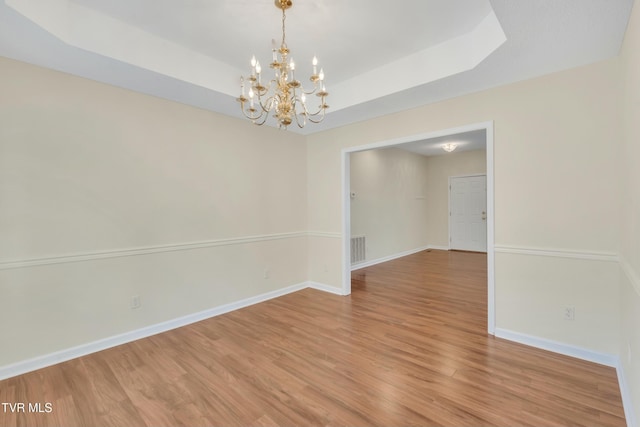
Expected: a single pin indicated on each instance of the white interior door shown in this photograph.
(468, 213)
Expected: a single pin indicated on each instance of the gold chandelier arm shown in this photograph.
(264, 117)
(266, 105)
(248, 113)
(256, 115)
(312, 120)
(257, 119)
(312, 91)
(304, 122)
(321, 110)
(297, 100)
(260, 90)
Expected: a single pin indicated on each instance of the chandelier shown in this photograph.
(283, 95)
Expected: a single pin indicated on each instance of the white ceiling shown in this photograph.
(466, 141)
(379, 56)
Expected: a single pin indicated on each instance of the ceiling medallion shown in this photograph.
(283, 94)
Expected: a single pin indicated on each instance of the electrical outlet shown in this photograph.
(569, 313)
(266, 273)
(135, 302)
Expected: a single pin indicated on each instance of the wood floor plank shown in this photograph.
(408, 347)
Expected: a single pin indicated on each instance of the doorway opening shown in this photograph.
(347, 197)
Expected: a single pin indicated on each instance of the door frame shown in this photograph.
(449, 202)
(346, 205)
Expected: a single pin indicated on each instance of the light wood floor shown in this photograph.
(407, 348)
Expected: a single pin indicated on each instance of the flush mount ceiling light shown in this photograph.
(283, 94)
(449, 147)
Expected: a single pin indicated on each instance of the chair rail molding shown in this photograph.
(145, 250)
(558, 253)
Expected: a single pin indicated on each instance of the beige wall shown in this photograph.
(391, 204)
(630, 224)
(439, 169)
(166, 194)
(556, 189)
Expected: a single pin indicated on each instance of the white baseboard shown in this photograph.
(558, 347)
(627, 401)
(40, 362)
(580, 353)
(326, 288)
(439, 248)
(388, 258)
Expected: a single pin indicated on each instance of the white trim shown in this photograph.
(491, 281)
(145, 250)
(327, 234)
(346, 204)
(559, 253)
(326, 288)
(439, 248)
(558, 347)
(39, 362)
(364, 264)
(625, 392)
(630, 273)
(346, 222)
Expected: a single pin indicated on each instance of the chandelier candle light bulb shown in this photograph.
(283, 97)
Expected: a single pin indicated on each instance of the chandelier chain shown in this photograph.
(284, 16)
